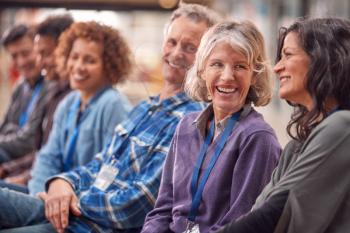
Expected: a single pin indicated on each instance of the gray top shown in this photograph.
(317, 174)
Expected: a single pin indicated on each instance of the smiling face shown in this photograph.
(179, 48)
(45, 47)
(85, 67)
(24, 58)
(292, 71)
(228, 77)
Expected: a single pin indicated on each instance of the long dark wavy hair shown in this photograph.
(327, 43)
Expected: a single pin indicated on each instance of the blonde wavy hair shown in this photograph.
(245, 38)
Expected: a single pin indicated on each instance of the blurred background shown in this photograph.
(142, 22)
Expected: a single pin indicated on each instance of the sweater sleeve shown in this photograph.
(310, 180)
(262, 220)
(319, 183)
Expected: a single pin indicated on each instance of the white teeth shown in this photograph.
(173, 65)
(78, 77)
(284, 77)
(226, 90)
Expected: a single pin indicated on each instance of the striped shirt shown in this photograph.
(137, 150)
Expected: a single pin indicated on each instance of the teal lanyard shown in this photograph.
(23, 119)
(197, 191)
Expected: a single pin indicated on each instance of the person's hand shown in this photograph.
(60, 200)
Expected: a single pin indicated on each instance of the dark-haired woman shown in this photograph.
(309, 190)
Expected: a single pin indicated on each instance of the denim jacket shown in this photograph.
(96, 126)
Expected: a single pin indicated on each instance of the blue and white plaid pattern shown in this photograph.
(138, 148)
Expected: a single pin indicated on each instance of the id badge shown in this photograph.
(192, 227)
(105, 177)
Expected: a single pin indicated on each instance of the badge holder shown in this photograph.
(192, 227)
(105, 177)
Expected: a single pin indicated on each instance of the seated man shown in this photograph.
(17, 171)
(114, 192)
(19, 129)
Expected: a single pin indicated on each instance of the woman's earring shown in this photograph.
(209, 97)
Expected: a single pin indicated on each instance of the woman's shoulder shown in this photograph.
(69, 99)
(338, 119)
(112, 94)
(289, 153)
(254, 122)
(192, 115)
(189, 118)
(114, 99)
(64, 105)
(334, 125)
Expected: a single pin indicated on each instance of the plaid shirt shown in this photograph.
(138, 150)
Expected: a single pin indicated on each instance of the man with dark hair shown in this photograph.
(22, 120)
(115, 191)
(45, 41)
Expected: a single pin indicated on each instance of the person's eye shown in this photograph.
(287, 54)
(190, 48)
(25, 53)
(90, 60)
(216, 64)
(171, 42)
(241, 67)
(73, 57)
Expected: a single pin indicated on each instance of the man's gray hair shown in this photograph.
(245, 38)
(195, 12)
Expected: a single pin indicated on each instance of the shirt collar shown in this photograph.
(96, 96)
(38, 81)
(171, 102)
(208, 113)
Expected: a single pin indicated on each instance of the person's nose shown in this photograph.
(78, 65)
(178, 52)
(21, 61)
(278, 67)
(227, 73)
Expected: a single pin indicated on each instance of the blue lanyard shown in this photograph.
(72, 115)
(30, 106)
(197, 191)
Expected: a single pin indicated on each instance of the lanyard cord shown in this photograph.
(23, 119)
(198, 190)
